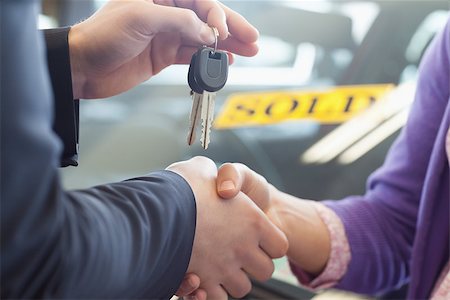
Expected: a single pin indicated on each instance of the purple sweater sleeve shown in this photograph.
(381, 225)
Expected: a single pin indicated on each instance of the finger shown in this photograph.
(209, 11)
(230, 45)
(164, 2)
(239, 27)
(216, 292)
(244, 179)
(160, 18)
(224, 19)
(216, 18)
(235, 45)
(230, 58)
(198, 294)
(201, 294)
(190, 283)
(273, 241)
(185, 53)
(258, 265)
(238, 285)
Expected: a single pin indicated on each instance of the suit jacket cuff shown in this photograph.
(66, 109)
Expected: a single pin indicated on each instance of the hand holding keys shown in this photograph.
(208, 73)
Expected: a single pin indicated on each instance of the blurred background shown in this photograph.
(315, 112)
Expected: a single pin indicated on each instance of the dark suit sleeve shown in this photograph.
(66, 109)
(124, 240)
(130, 239)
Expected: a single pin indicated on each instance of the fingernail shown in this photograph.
(227, 185)
(207, 35)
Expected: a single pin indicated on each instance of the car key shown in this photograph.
(196, 94)
(208, 73)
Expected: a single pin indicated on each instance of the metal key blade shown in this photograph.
(195, 115)
(207, 114)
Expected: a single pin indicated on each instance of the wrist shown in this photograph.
(308, 236)
(78, 77)
(277, 209)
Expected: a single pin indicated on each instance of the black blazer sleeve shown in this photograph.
(66, 109)
(131, 239)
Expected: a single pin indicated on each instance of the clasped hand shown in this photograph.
(234, 238)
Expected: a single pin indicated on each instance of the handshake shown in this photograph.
(237, 233)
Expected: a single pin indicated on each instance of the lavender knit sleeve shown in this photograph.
(339, 253)
(381, 225)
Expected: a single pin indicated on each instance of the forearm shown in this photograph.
(116, 230)
(308, 236)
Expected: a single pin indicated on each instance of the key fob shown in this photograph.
(210, 69)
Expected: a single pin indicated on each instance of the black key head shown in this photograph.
(191, 77)
(210, 69)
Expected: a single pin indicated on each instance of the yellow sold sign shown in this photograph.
(334, 105)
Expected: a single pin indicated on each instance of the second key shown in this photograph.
(208, 74)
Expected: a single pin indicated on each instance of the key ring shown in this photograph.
(216, 37)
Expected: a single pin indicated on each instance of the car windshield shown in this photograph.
(314, 112)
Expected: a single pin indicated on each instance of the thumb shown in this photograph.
(229, 180)
(190, 283)
(160, 18)
(235, 177)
